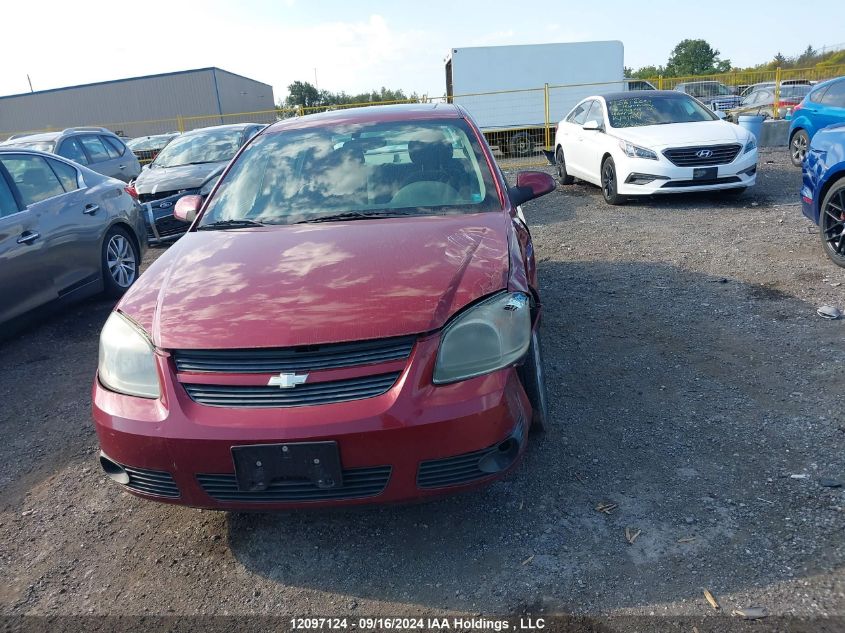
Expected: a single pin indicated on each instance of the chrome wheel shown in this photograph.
(120, 259)
(798, 147)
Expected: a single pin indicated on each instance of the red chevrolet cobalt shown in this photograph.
(352, 318)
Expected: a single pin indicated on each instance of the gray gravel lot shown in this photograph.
(690, 380)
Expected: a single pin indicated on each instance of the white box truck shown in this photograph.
(513, 118)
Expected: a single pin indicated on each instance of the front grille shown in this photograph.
(152, 197)
(358, 483)
(679, 184)
(152, 482)
(293, 359)
(726, 104)
(169, 225)
(299, 396)
(686, 156)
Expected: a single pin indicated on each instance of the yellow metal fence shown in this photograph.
(518, 124)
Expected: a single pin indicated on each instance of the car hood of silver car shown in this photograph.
(155, 179)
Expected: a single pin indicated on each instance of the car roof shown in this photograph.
(42, 136)
(615, 96)
(372, 114)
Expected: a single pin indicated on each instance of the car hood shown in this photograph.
(312, 284)
(683, 134)
(158, 179)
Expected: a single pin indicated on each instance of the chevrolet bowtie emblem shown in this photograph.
(287, 381)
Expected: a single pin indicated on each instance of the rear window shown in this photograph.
(419, 167)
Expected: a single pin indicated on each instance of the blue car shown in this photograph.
(823, 190)
(825, 105)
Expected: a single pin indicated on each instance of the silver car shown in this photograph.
(95, 147)
(66, 232)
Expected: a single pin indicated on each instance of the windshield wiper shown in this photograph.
(354, 215)
(229, 224)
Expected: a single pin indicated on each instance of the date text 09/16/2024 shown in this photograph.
(416, 624)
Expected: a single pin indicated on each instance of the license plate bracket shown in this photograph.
(259, 465)
(705, 173)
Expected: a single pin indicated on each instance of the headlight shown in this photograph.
(751, 144)
(489, 336)
(207, 187)
(635, 151)
(127, 362)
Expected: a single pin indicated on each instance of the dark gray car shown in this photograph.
(189, 165)
(66, 232)
(94, 147)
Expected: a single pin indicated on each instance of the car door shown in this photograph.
(127, 163)
(592, 143)
(71, 149)
(831, 106)
(569, 137)
(99, 158)
(25, 282)
(69, 225)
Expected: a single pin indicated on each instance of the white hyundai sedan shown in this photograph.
(652, 142)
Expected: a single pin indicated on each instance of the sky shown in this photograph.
(357, 45)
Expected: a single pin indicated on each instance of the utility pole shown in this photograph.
(316, 85)
(30, 82)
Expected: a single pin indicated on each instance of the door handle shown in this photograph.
(121, 166)
(91, 209)
(28, 237)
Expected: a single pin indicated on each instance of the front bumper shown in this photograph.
(412, 442)
(161, 226)
(669, 178)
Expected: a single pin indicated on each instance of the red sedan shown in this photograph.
(352, 318)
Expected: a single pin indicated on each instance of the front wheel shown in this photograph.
(533, 377)
(560, 163)
(609, 183)
(832, 223)
(798, 145)
(120, 262)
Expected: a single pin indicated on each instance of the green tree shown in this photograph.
(648, 72)
(302, 93)
(779, 60)
(696, 57)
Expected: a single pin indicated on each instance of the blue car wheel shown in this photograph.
(798, 145)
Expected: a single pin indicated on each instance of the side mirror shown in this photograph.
(591, 125)
(187, 208)
(530, 185)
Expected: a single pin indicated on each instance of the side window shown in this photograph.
(8, 206)
(835, 95)
(114, 147)
(579, 114)
(67, 174)
(96, 150)
(72, 150)
(816, 95)
(596, 114)
(33, 177)
(249, 133)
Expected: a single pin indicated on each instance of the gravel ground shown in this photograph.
(692, 386)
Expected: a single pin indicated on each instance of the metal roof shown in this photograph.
(118, 81)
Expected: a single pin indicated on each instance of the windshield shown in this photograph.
(401, 168)
(208, 146)
(656, 110)
(40, 146)
(152, 142)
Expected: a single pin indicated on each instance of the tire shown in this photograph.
(563, 177)
(120, 261)
(832, 223)
(520, 144)
(610, 183)
(798, 145)
(533, 377)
